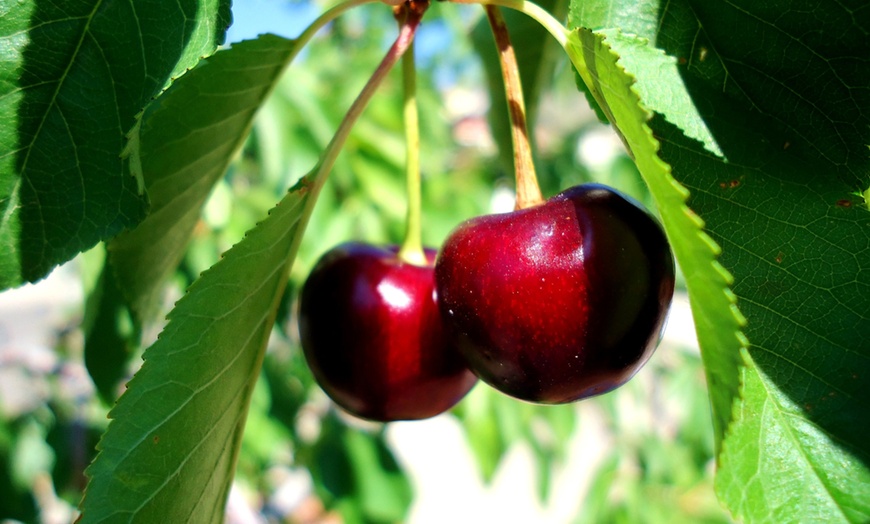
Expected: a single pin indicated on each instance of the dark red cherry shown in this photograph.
(373, 337)
(559, 301)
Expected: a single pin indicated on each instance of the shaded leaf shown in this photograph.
(786, 99)
(801, 67)
(183, 145)
(659, 85)
(110, 336)
(72, 77)
(800, 250)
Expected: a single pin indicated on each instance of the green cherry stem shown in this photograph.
(528, 190)
(412, 246)
(313, 182)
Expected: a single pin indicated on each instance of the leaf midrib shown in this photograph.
(195, 392)
(781, 415)
(60, 83)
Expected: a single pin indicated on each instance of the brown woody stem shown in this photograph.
(528, 191)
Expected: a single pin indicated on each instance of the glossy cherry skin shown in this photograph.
(373, 337)
(559, 301)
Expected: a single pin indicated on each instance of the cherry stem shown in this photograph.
(412, 247)
(316, 178)
(567, 40)
(528, 190)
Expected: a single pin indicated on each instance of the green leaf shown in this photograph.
(659, 85)
(355, 472)
(486, 425)
(717, 320)
(110, 336)
(73, 75)
(639, 17)
(801, 67)
(800, 251)
(780, 466)
(187, 139)
(170, 450)
(786, 99)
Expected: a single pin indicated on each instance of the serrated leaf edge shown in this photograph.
(712, 146)
(146, 360)
(703, 239)
(132, 150)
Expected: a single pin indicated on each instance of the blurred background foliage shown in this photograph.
(302, 460)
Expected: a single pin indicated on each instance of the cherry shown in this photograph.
(559, 301)
(373, 337)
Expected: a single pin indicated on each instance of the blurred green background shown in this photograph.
(640, 454)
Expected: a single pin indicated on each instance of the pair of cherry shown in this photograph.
(551, 304)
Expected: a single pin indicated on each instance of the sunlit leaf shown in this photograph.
(779, 465)
(169, 452)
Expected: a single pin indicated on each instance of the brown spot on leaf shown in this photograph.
(779, 257)
(845, 202)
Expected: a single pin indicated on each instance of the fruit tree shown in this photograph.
(747, 123)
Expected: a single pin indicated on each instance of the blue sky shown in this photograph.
(281, 17)
(288, 18)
